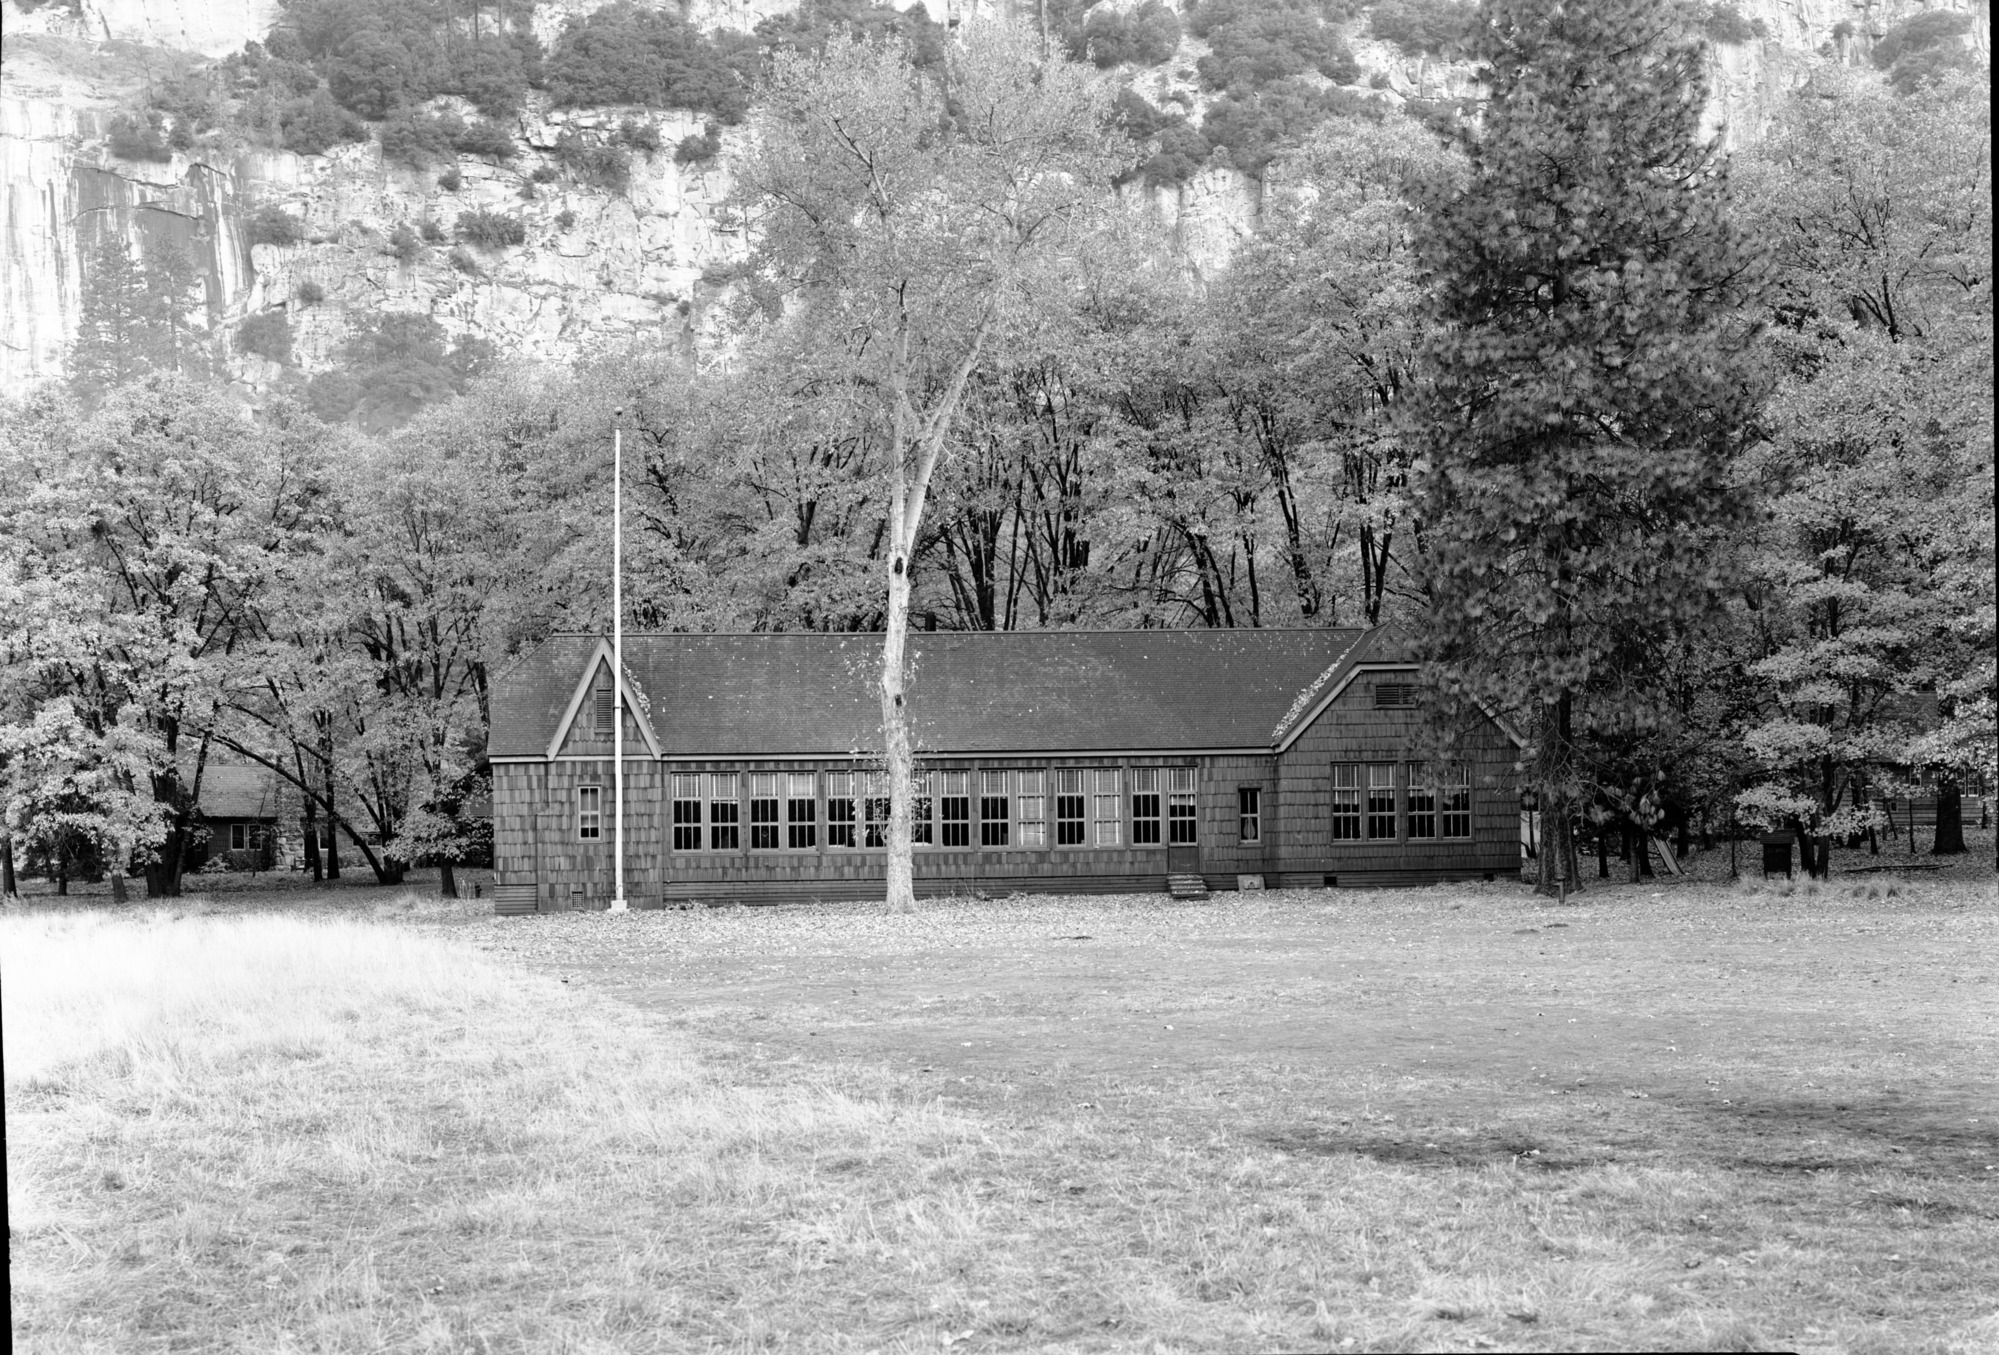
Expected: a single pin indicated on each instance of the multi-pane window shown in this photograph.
(1346, 801)
(995, 813)
(1454, 789)
(955, 809)
(839, 809)
(763, 811)
(919, 808)
(1069, 806)
(724, 813)
(1180, 806)
(1249, 813)
(239, 837)
(1144, 806)
(1422, 801)
(1030, 808)
(687, 812)
(801, 811)
(1381, 800)
(874, 809)
(1107, 808)
(589, 813)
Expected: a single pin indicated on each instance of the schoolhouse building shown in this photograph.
(1048, 761)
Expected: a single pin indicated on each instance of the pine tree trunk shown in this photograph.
(1602, 853)
(1949, 839)
(447, 882)
(9, 889)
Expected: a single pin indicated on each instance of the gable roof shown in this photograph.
(232, 790)
(634, 700)
(809, 694)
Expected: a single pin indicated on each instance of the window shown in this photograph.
(1381, 800)
(724, 813)
(589, 813)
(1144, 806)
(1030, 808)
(1249, 813)
(687, 812)
(1069, 820)
(874, 810)
(763, 811)
(1346, 801)
(1422, 801)
(1454, 787)
(1107, 808)
(957, 809)
(801, 812)
(1394, 695)
(1180, 806)
(839, 809)
(601, 716)
(239, 836)
(919, 809)
(994, 815)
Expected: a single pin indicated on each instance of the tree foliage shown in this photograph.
(1585, 390)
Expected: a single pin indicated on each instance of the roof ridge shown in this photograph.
(852, 634)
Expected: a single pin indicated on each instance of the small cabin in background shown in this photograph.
(1049, 761)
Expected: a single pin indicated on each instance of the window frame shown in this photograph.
(1072, 807)
(686, 830)
(1183, 806)
(1030, 808)
(1106, 788)
(995, 811)
(1249, 814)
(1419, 815)
(590, 813)
(1148, 819)
(764, 812)
(1454, 800)
(725, 811)
(955, 792)
(801, 834)
(1347, 818)
(842, 825)
(1393, 814)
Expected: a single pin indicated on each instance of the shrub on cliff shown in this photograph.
(607, 167)
(622, 54)
(694, 149)
(1255, 43)
(1258, 128)
(268, 334)
(485, 137)
(491, 230)
(273, 225)
(640, 136)
(1723, 23)
(1145, 37)
(1422, 27)
(404, 246)
(378, 55)
(313, 124)
(418, 139)
(806, 28)
(137, 138)
(1924, 47)
(1178, 148)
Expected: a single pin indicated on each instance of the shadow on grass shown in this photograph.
(1780, 1136)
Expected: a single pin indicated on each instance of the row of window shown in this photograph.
(1012, 808)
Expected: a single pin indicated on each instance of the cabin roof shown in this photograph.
(238, 791)
(810, 694)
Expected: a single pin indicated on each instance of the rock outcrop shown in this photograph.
(597, 268)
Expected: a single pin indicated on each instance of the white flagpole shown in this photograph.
(618, 656)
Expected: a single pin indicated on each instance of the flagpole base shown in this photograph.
(620, 906)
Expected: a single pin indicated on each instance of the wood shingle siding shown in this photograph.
(1269, 710)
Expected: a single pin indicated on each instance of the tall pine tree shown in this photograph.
(115, 331)
(1585, 385)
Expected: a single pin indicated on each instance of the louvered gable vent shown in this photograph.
(603, 713)
(1390, 695)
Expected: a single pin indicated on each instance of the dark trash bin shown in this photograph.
(1777, 854)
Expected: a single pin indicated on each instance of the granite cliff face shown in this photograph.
(597, 268)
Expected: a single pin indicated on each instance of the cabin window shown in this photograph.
(801, 812)
(589, 813)
(1249, 813)
(919, 808)
(1144, 806)
(1422, 801)
(839, 809)
(1181, 809)
(874, 809)
(602, 715)
(1396, 694)
(687, 812)
(237, 839)
(763, 811)
(1107, 808)
(1381, 800)
(1069, 819)
(994, 813)
(956, 809)
(1454, 789)
(1346, 801)
(724, 813)
(1030, 808)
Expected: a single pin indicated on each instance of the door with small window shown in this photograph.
(1183, 813)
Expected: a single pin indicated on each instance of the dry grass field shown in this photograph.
(1685, 1116)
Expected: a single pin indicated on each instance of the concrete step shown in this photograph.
(1187, 886)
